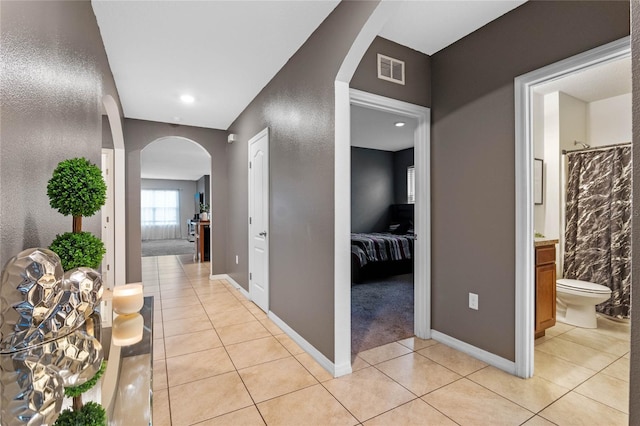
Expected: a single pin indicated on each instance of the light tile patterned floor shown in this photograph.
(218, 360)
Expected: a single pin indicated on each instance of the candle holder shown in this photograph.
(127, 299)
(127, 329)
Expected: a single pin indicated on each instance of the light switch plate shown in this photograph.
(473, 301)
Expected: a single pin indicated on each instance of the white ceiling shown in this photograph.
(376, 130)
(429, 25)
(221, 52)
(594, 84)
(175, 159)
(224, 52)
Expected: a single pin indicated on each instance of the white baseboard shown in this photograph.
(231, 281)
(308, 347)
(342, 369)
(491, 359)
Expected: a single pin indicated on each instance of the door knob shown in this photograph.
(263, 234)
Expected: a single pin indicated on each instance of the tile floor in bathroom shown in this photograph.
(218, 360)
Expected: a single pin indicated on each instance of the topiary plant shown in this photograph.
(74, 391)
(91, 414)
(77, 189)
(77, 249)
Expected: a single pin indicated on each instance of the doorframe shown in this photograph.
(119, 190)
(345, 97)
(264, 132)
(107, 234)
(524, 284)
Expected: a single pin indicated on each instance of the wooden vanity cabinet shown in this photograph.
(545, 288)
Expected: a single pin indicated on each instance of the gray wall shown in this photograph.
(634, 396)
(372, 187)
(417, 87)
(107, 136)
(298, 107)
(473, 171)
(54, 74)
(203, 186)
(137, 135)
(401, 161)
(187, 190)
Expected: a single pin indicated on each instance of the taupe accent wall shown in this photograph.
(473, 152)
(634, 394)
(203, 186)
(298, 107)
(54, 75)
(140, 133)
(107, 136)
(372, 189)
(417, 87)
(402, 160)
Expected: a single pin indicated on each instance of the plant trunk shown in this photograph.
(77, 224)
(77, 403)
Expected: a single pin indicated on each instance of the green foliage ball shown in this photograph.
(91, 414)
(73, 391)
(77, 188)
(77, 249)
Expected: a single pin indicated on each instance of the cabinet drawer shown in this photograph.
(545, 254)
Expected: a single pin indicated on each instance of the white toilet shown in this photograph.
(576, 301)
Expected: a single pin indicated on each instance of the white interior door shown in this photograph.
(259, 219)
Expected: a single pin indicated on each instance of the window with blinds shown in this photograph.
(411, 185)
(160, 207)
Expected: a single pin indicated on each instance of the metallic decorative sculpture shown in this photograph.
(28, 292)
(38, 302)
(76, 358)
(31, 392)
(87, 283)
(42, 348)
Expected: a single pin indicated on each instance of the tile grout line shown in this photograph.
(233, 364)
(195, 287)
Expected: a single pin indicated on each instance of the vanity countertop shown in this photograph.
(539, 242)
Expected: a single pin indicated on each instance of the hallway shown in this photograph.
(218, 360)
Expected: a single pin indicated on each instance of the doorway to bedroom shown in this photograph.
(382, 227)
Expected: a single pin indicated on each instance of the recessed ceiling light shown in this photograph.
(176, 118)
(399, 123)
(187, 99)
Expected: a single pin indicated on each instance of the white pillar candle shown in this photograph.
(127, 329)
(128, 298)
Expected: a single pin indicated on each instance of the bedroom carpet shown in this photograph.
(381, 312)
(167, 247)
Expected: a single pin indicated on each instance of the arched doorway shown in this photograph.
(175, 189)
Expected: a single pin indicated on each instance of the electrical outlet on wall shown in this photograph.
(473, 301)
(236, 259)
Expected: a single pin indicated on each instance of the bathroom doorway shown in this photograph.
(579, 105)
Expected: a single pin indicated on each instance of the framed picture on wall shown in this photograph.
(538, 181)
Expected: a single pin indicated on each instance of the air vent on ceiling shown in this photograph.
(390, 69)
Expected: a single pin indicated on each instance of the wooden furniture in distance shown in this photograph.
(545, 279)
(203, 232)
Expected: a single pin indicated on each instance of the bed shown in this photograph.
(380, 254)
